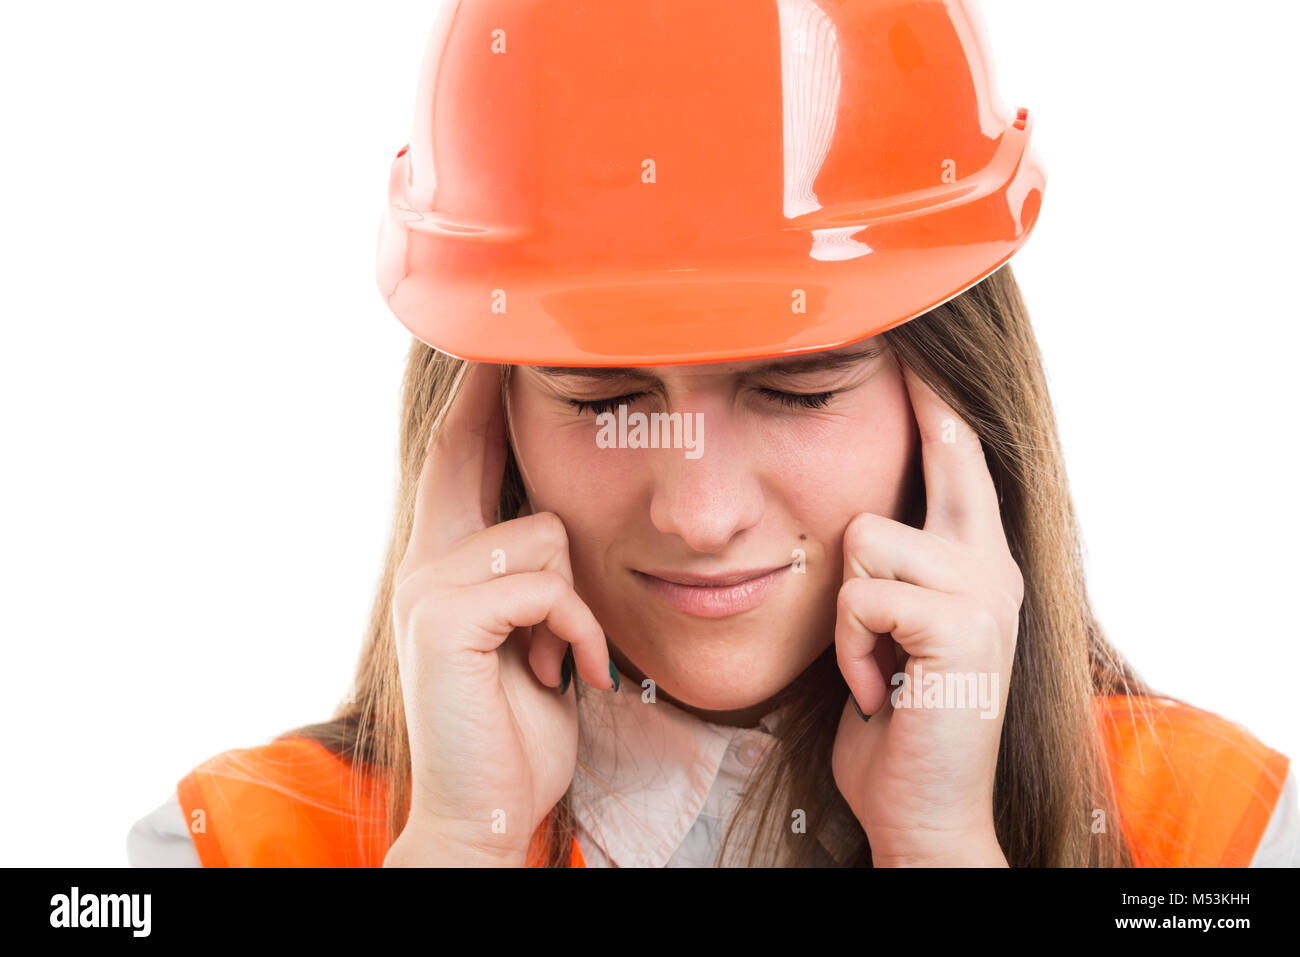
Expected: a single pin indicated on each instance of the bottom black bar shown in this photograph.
(873, 906)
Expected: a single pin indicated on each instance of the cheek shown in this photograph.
(857, 460)
(565, 472)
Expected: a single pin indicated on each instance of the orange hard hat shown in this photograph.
(619, 184)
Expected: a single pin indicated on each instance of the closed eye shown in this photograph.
(600, 406)
(799, 400)
(793, 400)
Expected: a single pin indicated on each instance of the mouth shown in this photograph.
(712, 596)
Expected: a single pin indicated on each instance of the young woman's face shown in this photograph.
(761, 481)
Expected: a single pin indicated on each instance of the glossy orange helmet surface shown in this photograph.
(620, 184)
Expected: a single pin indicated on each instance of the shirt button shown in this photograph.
(749, 753)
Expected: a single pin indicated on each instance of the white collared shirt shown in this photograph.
(655, 786)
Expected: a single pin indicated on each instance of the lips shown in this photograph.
(712, 596)
(713, 581)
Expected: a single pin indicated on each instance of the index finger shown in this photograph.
(961, 500)
(460, 482)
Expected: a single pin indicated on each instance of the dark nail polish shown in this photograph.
(864, 717)
(566, 671)
(613, 674)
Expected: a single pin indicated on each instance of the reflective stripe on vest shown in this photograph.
(1193, 789)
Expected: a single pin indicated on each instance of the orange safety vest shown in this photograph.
(1193, 789)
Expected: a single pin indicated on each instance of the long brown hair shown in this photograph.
(979, 353)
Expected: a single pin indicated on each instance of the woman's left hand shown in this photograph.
(919, 773)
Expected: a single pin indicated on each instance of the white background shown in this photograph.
(199, 380)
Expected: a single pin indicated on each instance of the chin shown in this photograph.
(715, 681)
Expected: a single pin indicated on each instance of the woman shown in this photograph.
(750, 444)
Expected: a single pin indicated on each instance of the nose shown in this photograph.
(709, 500)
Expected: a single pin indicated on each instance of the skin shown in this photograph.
(480, 647)
(770, 479)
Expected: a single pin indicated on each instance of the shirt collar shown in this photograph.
(645, 770)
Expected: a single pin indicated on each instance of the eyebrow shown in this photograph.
(814, 362)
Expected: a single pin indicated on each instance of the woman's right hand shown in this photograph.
(484, 615)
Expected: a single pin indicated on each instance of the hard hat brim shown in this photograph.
(861, 272)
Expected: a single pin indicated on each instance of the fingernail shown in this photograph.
(613, 674)
(566, 670)
(864, 717)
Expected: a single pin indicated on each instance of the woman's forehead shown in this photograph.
(823, 361)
